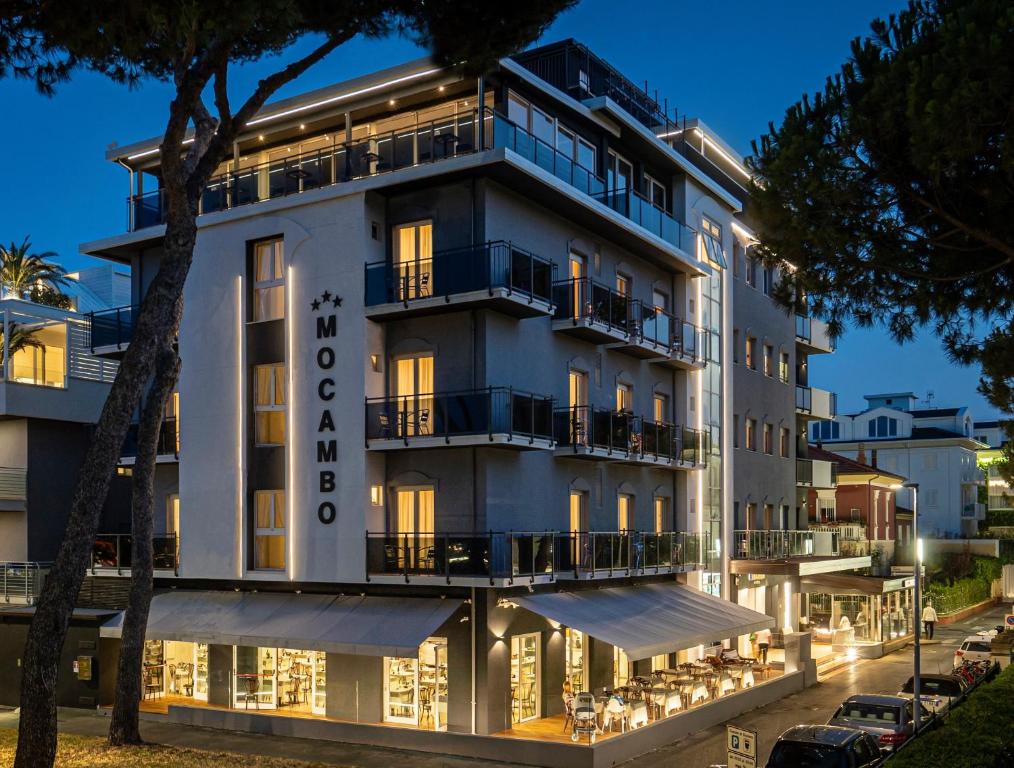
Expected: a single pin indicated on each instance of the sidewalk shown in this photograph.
(157, 730)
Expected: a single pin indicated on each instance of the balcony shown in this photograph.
(586, 432)
(497, 274)
(814, 403)
(168, 449)
(628, 203)
(783, 545)
(498, 557)
(342, 162)
(816, 473)
(112, 552)
(496, 416)
(852, 538)
(21, 582)
(111, 330)
(812, 335)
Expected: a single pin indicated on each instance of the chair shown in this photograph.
(614, 711)
(747, 680)
(700, 691)
(385, 424)
(568, 711)
(424, 284)
(527, 700)
(725, 683)
(151, 684)
(425, 706)
(252, 684)
(638, 714)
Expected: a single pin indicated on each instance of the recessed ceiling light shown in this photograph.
(391, 102)
(441, 89)
(302, 126)
(261, 137)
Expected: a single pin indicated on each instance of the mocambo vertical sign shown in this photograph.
(326, 329)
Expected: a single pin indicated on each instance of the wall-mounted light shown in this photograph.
(377, 495)
(375, 362)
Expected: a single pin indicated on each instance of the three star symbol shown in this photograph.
(327, 297)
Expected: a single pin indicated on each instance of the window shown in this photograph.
(735, 345)
(576, 265)
(751, 342)
(269, 404)
(712, 228)
(620, 173)
(585, 154)
(737, 256)
(413, 386)
(621, 667)
(624, 512)
(413, 259)
(769, 280)
(622, 284)
(751, 271)
(269, 535)
(751, 434)
(826, 430)
(575, 658)
(663, 518)
(751, 516)
(172, 514)
(826, 510)
(415, 512)
(660, 408)
(543, 126)
(735, 430)
(712, 242)
(655, 191)
(517, 110)
(769, 360)
(578, 511)
(783, 368)
(883, 426)
(269, 281)
(783, 442)
(565, 141)
(624, 398)
(768, 439)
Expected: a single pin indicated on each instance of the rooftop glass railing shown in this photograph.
(486, 266)
(168, 440)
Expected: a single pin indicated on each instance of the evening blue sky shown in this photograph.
(736, 65)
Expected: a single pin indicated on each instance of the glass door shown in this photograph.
(576, 267)
(401, 690)
(413, 387)
(254, 679)
(415, 526)
(433, 684)
(201, 671)
(153, 669)
(413, 260)
(525, 673)
(578, 402)
(319, 683)
(576, 658)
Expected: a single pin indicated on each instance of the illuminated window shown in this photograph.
(269, 281)
(624, 511)
(663, 519)
(783, 368)
(783, 443)
(769, 360)
(751, 363)
(624, 398)
(768, 439)
(269, 404)
(269, 535)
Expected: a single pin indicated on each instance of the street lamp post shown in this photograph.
(917, 584)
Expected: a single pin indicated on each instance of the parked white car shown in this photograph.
(973, 648)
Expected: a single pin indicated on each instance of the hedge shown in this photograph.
(974, 734)
(973, 589)
(1000, 517)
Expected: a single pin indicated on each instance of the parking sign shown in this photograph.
(741, 746)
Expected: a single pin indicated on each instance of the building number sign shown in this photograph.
(327, 443)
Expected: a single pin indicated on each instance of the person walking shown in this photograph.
(763, 642)
(929, 619)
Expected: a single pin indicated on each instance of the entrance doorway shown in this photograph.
(525, 674)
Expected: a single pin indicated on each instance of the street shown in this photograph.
(816, 704)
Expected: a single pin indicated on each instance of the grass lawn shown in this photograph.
(93, 752)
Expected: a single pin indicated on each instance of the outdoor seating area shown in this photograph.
(644, 700)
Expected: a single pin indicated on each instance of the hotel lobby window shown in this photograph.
(287, 679)
(269, 404)
(415, 689)
(268, 281)
(525, 673)
(269, 536)
(413, 259)
(576, 658)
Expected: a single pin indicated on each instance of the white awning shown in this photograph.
(647, 620)
(365, 626)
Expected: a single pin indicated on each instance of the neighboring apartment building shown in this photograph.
(934, 447)
(861, 507)
(455, 421)
(999, 493)
(51, 391)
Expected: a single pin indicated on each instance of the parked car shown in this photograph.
(887, 718)
(938, 693)
(825, 746)
(973, 648)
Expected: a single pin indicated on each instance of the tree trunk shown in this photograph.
(157, 320)
(124, 727)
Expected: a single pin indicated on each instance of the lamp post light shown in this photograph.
(917, 585)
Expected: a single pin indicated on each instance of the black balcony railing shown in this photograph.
(490, 411)
(581, 299)
(497, 555)
(496, 264)
(112, 327)
(168, 440)
(626, 435)
(113, 551)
